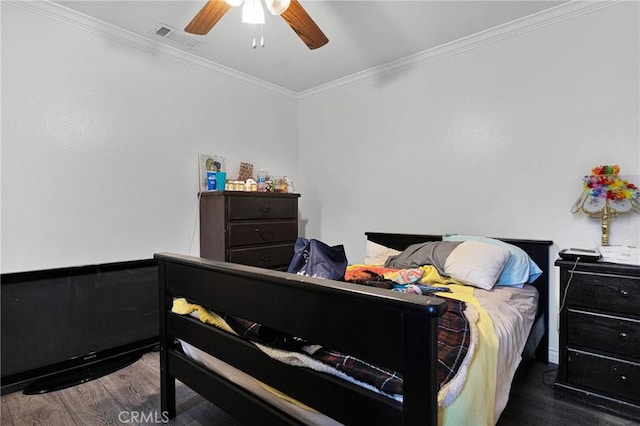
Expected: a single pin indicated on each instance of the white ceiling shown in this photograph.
(362, 34)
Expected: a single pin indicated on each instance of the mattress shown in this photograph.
(512, 312)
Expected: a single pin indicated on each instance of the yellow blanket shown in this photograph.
(182, 307)
(475, 404)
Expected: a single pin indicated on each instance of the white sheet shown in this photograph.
(249, 383)
(512, 311)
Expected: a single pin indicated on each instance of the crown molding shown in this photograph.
(559, 13)
(146, 44)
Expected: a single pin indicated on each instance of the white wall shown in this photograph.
(100, 143)
(491, 141)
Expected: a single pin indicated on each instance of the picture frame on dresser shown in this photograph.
(599, 336)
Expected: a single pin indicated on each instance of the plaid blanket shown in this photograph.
(454, 340)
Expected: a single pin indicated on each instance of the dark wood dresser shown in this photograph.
(251, 228)
(599, 359)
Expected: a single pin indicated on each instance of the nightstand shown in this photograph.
(599, 359)
(250, 228)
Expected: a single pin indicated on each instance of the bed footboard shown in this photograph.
(396, 331)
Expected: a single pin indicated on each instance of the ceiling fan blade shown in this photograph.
(208, 16)
(300, 21)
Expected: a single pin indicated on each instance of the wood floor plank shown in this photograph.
(5, 413)
(205, 413)
(533, 402)
(92, 404)
(134, 389)
(37, 410)
(151, 363)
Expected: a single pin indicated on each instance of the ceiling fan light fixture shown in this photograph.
(252, 12)
(277, 7)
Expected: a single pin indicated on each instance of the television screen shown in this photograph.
(75, 315)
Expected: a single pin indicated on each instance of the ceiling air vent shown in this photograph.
(177, 36)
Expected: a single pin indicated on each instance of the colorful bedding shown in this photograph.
(479, 389)
(457, 341)
(454, 344)
(466, 336)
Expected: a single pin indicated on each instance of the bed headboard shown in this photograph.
(538, 250)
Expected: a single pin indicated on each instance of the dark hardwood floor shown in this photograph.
(533, 403)
(131, 397)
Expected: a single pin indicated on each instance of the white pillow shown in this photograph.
(476, 263)
(377, 254)
(519, 269)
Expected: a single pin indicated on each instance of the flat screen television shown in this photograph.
(66, 326)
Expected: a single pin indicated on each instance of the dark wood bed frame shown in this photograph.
(393, 330)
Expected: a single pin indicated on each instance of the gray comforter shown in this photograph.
(430, 253)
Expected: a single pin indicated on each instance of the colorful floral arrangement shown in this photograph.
(605, 182)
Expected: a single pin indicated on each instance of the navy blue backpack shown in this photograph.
(317, 259)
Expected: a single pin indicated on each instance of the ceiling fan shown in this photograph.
(290, 10)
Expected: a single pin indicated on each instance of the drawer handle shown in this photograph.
(623, 336)
(624, 293)
(623, 379)
(265, 235)
(266, 258)
(264, 209)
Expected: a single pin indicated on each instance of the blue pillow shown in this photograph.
(520, 268)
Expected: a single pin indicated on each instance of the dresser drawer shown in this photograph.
(607, 375)
(262, 208)
(262, 232)
(264, 257)
(615, 335)
(606, 293)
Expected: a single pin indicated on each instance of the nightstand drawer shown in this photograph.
(271, 207)
(605, 293)
(249, 233)
(264, 257)
(604, 374)
(615, 335)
